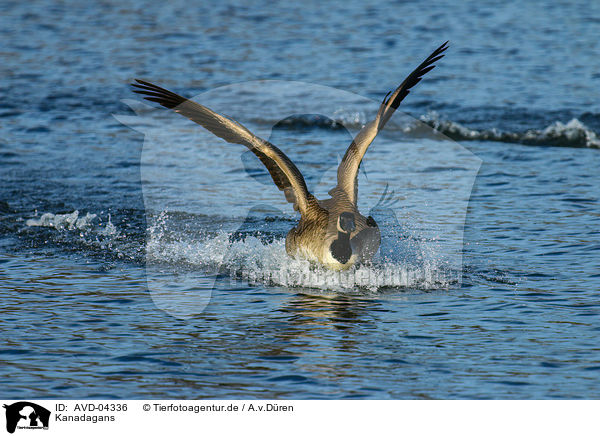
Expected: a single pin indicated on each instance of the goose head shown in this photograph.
(345, 223)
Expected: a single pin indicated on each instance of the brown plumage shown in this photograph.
(332, 231)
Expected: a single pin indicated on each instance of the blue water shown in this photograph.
(93, 214)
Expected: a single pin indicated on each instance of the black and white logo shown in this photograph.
(26, 415)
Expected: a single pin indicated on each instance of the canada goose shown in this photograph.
(332, 232)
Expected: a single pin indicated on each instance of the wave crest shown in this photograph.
(571, 134)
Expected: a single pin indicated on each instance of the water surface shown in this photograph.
(518, 90)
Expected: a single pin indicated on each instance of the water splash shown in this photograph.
(254, 260)
(90, 233)
(67, 221)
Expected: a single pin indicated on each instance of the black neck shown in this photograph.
(340, 248)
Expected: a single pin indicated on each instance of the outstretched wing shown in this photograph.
(285, 174)
(348, 168)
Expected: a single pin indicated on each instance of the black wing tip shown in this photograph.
(438, 53)
(141, 83)
(416, 76)
(144, 83)
(156, 94)
(148, 86)
(427, 64)
(443, 47)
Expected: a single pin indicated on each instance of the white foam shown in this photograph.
(68, 221)
(254, 261)
(573, 131)
(571, 134)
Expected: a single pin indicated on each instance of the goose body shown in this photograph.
(331, 232)
(322, 239)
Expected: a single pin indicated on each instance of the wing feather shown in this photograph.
(284, 173)
(348, 168)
